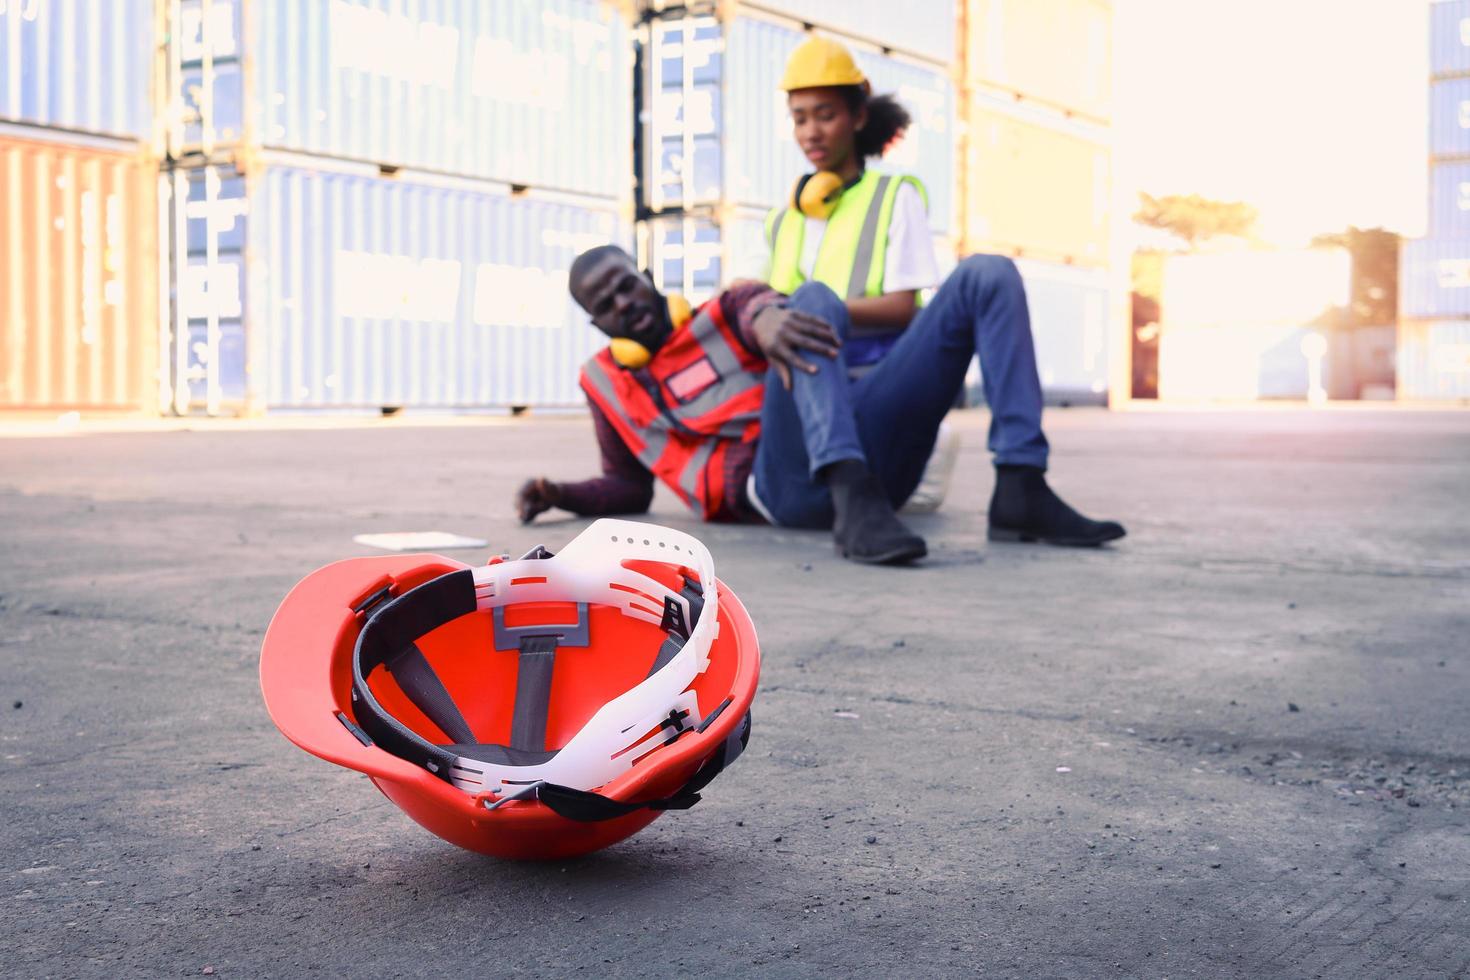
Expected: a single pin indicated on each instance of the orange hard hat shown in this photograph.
(536, 709)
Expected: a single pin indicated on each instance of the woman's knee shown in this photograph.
(818, 299)
(992, 271)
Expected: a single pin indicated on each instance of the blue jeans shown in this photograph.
(889, 417)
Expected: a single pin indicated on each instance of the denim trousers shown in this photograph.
(889, 417)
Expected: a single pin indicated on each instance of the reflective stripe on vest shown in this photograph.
(674, 425)
(853, 253)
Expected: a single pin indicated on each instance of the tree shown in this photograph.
(1195, 219)
(1375, 293)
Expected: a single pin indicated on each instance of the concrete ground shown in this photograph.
(1234, 745)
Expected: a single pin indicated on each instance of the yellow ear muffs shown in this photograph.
(629, 353)
(815, 195)
(633, 355)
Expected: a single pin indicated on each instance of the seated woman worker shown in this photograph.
(863, 233)
(745, 409)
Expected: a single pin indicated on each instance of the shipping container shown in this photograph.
(1036, 187)
(687, 255)
(1449, 37)
(1449, 200)
(79, 284)
(521, 91)
(719, 130)
(925, 28)
(1434, 278)
(1434, 360)
(305, 285)
(1449, 118)
(1057, 52)
(83, 65)
(1070, 309)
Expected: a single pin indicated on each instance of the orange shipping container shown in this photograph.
(78, 278)
(1053, 51)
(1034, 190)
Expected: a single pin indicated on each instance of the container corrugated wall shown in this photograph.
(521, 91)
(1434, 359)
(762, 158)
(687, 255)
(1449, 37)
(1449, 200)
(354, 290)
(78, 279)
(83, 65)
(1035, 187)
(1449, 118)
(923, 27)
(1434, 278)
(1053, 51)
(1069, 324)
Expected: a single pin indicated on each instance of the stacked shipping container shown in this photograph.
(366, 203)
(374, 205)
(78, 255)
(1434, 272)
(1036, 182)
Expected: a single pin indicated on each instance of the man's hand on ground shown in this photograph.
(536, 496)
(782, 333)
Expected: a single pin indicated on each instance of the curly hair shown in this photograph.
(887, 120)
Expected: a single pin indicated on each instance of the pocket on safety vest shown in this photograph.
(688, 383)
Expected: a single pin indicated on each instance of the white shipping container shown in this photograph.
(1057, 52)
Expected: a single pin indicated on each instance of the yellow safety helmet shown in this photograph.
(819, 62)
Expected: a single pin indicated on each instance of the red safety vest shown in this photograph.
(679, 415)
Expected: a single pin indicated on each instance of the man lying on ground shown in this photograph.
(746, 410)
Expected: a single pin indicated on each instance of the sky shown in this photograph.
(1314, 111)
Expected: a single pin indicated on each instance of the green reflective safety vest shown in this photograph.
(853, 253)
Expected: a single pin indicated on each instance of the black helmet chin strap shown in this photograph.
(580, 805)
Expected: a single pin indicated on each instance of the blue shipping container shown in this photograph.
(85, 65)
(1434, 360)
(1434, 278)
(522, 91)
(345, 289)
(1449, 117)
(1449, 37)
(1449, 200)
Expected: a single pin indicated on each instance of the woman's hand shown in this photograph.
(781, 333)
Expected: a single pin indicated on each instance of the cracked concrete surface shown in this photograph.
(1012, 761)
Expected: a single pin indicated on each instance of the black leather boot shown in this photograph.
(1024, 508)
(866, 529)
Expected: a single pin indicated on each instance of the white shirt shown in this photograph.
(908, 263)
